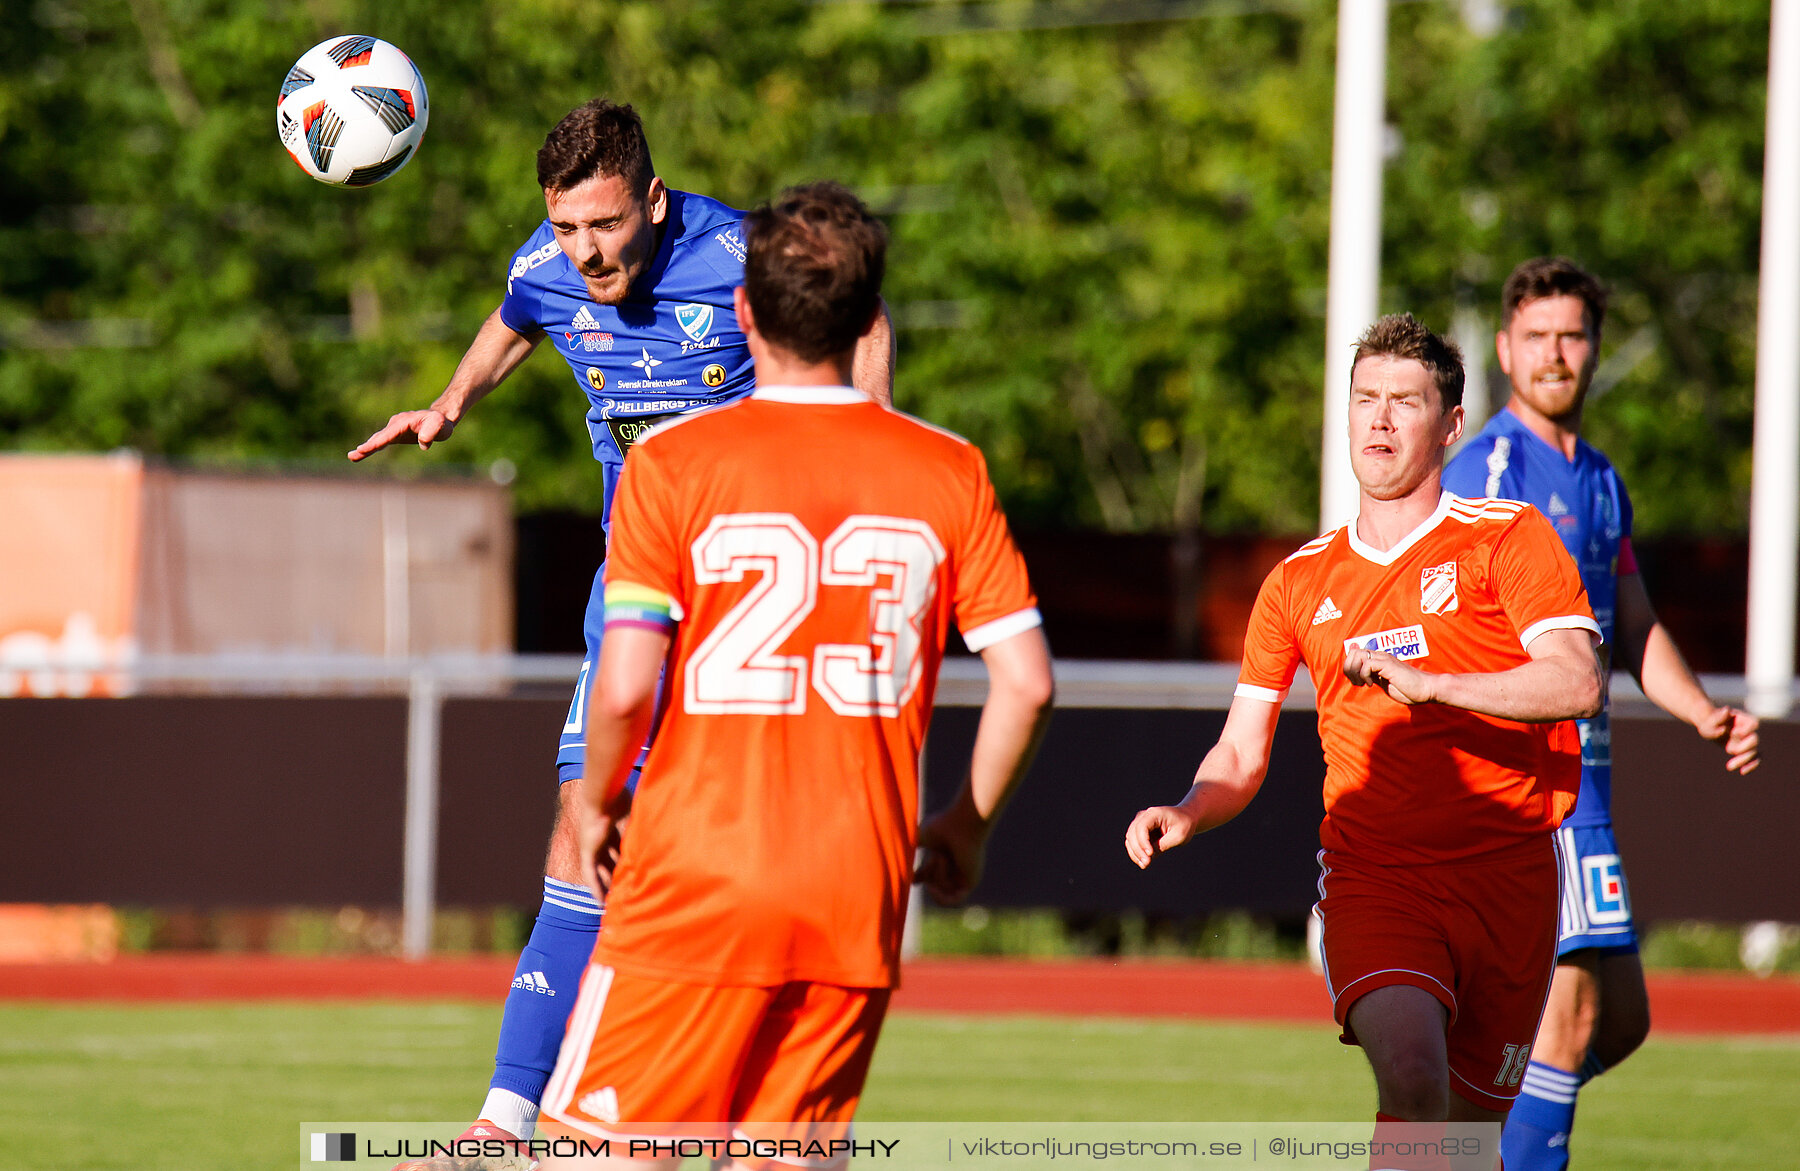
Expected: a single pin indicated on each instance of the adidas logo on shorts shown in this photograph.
(534, 982)
(602, 1104)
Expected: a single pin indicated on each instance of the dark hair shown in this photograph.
(598, 138)
(813, 270)
(1400, 335)
(1553, 276)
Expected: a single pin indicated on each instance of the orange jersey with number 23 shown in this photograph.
(812, 548)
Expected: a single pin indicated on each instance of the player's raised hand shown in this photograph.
(1400, 682)
(1157, 830)
(1738, 733)
(424, 427)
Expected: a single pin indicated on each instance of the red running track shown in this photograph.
(1680, 1002)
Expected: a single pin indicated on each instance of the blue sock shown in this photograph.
(543, 989)
(1592, 1068)
(1536, 1137)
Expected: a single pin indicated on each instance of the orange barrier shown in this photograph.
(35, 933)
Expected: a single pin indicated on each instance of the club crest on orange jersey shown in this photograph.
(1437, 589)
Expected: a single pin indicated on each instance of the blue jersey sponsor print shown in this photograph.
(1587, 505)
(671, 347)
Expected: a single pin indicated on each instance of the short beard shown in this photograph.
(623, 290)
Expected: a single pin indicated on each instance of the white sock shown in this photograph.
(511, 1113)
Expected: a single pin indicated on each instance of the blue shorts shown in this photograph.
(1596, 906)
(571, 745)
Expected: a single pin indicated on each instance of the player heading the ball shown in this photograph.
(631, 283)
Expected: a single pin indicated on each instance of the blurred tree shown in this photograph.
(1109, 233)
(1627, 134)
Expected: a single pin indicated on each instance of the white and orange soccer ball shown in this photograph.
(352, 111)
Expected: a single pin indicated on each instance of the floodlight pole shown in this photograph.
(1353, 282)
(1774, 480)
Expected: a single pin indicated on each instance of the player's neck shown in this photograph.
(1559, 433)
(775, 368)
(1382, 524)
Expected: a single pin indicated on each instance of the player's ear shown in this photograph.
(1503, 351)
(1455, 429)
(658, 199)
(740, 302)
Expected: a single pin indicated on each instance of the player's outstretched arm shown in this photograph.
(872, 367)
(1227, 779)
(620, 707)
(1561, 682)
(1021, 687)
(495, 353)
(1643, 647)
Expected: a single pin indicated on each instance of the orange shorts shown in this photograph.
(762, 1063)
(1481, 937)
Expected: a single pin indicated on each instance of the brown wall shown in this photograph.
(1698, 841)
(210, 802)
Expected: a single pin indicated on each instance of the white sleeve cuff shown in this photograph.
(1001, 629)
(1565, 622)
(1266, 694)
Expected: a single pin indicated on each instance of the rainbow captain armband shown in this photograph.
(630, 604)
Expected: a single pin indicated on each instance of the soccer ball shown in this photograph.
(352, 111)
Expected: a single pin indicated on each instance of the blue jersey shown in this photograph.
(1587, 505)
(672, 346)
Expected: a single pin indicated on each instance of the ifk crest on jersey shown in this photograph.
(695, 320)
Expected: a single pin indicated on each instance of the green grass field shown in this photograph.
(194, 1088)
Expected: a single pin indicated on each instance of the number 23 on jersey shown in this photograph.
(738, 667)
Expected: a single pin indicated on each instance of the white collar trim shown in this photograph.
(817, 395)
(1389, 556)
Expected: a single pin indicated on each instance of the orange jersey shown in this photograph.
(1467, 591)
(812, 547)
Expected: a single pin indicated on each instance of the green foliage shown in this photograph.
(973, 931)
(1109, 238)
(1226, 935)
(1628, 135)
(1692, 945)
(315, 931)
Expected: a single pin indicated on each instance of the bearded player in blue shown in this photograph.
(1598, 1011)
(632, 283)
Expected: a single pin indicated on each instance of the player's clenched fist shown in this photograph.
(1400, 682)
(1156, 830)
(422, 427)
(598, 838)
(952, 849)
